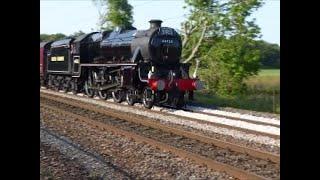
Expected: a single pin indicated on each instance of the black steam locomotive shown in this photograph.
(129, 64)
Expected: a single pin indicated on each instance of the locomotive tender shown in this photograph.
(129, 64)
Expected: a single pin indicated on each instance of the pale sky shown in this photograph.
(69, 16)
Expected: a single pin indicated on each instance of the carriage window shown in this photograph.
(53, 58)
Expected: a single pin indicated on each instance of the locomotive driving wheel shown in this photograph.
(130, 97)
(147, 98)
(103, 94)
(117, 95)
(87, 86)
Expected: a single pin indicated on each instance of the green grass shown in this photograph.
(266, 82)
(255, 102)
(263, 94)
(269, 72)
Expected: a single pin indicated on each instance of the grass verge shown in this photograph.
(263, 94)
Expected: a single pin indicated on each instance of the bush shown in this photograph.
(230, 62)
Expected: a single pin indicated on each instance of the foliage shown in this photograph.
(270, 54)
(200, 28)
(116, 13)
(218, 37)
(230, 62)
(78, 33)
(51, 37)
(58, 36)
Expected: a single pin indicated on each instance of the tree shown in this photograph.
(78, 33)
(195, 28)
(118, 14)
(51, 37)
(236, 55)
(270, 54)
(201, 30)
(218, 38)
(58, 36)
(231, 61)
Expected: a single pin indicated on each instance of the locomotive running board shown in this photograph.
(76, 75)
(106, 87)
(107, 65)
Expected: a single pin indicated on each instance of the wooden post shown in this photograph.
(274, 103)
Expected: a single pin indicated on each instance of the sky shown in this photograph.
(69, 16)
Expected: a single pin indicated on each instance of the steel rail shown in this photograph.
(233, 171)
(138, 119)
(274, 136)
(218, 115)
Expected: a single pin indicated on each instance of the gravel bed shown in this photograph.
(253, 113)
(242, 161)
(252, 143)
(226, 121)
(242, 112)
(236, 110)
(254, 119)
(231, 139)
(91, 161)
(54, 165)
(180, 121)
(250, 117)
(221, 120)
(139, 160)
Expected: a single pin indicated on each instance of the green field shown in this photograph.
(263, 94)
(269, 72)
(266, 81)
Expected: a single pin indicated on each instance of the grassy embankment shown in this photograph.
(263, 95)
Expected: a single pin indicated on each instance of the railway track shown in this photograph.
(83, 156)
(193, 117)
(143, 124)
(238, 173)
(255, 141)
(255, 119)
(138, 159)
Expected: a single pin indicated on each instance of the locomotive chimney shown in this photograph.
(154, 23)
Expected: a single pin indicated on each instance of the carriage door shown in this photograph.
(76, 64)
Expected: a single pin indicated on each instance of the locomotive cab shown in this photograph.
(86, 46)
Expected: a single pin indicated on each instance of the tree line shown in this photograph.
(58, 36)
(217, 39)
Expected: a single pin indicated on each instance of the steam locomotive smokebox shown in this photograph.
(155, 23)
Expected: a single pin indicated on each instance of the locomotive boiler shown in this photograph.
(128, 64)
